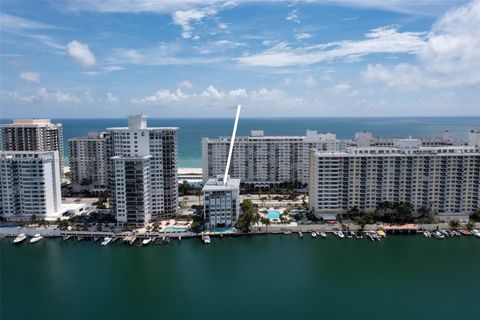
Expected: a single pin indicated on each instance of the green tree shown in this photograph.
(33, 218)
(470, 225)
(475, 216)
(248, 216)
(361, 222)
(454, 224)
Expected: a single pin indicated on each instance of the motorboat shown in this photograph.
(300, 234)
(36, 238)
(439, 235)
(381, 233)
(323, 234)
(349, 234)
(314, 234)
(427, 234)
(359, 235)
(19, 238)
(106, 241)
(146, 241)
(340, 234)
(206, 239)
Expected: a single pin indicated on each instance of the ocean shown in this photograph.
(258, 277)
(192, 130)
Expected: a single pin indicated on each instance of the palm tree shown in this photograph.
(454, 224)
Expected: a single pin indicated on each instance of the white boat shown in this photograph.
(146, 241)
(427, 234)
(340, 234)
(314, 234)
(300, 234)
(349, 234)
(36, 238)
(106, 241)
(323, 234)
(206, 239)
(439, 235)
(19, 238)
(359, 235)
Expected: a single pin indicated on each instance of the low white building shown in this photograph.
(30, 184)
(221, 203)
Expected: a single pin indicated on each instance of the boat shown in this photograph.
(2, 236)
(314, 234)
(65, 238)
(359, 235)
(381, 233)
(206, 239)
(439, 235)
(287, 232)
(465, 232)
(340, 234)
(427, 234)
(323, 234)
(146, 241)
(106, 241)
(300, 234)
(19, 238)
(349, 234)
(179, 238)
(36, 238)
(476, 233)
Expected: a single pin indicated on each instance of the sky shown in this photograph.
(197, 59)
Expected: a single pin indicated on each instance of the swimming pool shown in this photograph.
(175, 229)
(223, 230)
(273, 215)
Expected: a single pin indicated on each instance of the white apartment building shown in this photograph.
(221, 203)
(157, 151)
(33, 135)
(366, 139)
(88, 162)
(445, 178)
(265, 161)
(30, 185)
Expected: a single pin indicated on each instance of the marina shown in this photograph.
(369, 275)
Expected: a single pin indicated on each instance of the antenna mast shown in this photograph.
(232, 141)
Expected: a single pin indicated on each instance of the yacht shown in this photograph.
(314, 234)
(340, 234)
(36, 238)
(19, 238)
(206, 239)
(106, 241)
(323, 234)
(146, 241)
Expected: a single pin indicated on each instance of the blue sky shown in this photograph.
(191, 58)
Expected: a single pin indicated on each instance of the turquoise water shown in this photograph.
(263, 277)
(175, 229)
(273, 215)
(192, 130)
(223, 230)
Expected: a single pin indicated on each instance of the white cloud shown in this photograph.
(381, 40)
(9, 22)
(81, 52)
(136, 6)
(185, 84)
(344, 89)
(310, 81)
(185, 19)
(301, 36)
(450, 56)
(219, 46)
(104, 70)
(30, 76)
(293, 16)
(42, 95)
(214, 97)
(111, 98)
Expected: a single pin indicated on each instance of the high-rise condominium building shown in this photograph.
(263, 161)
(221, 203)
(33, 135)
(366, 139)
(445, 178)
(142, 171)
(30, 185)
(88, 162)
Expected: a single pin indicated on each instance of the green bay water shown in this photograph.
(258, 277)
(192, 130)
